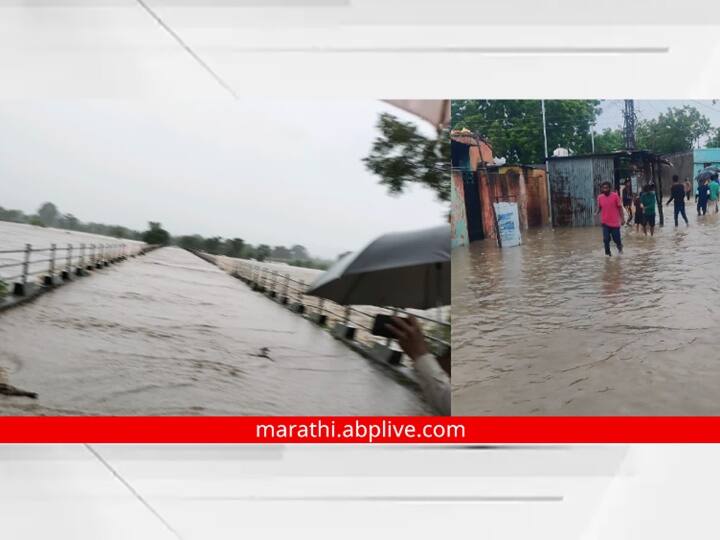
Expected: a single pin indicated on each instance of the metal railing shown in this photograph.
(20, 266)
(287, 290)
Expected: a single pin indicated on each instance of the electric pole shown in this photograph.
(629, 121)
(547, 169)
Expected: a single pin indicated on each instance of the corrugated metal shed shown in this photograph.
(574, 185)
(682, 165)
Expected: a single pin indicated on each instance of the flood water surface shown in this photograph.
(556, 327)
(168, 333)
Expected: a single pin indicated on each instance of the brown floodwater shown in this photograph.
(170, 334)
(554, 327)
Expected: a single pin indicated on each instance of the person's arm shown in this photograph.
(672, 196)
(434, 381)
(409, 336)
(597, 210)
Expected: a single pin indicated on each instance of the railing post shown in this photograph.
(287, 287)
(68, 263)
(51, 269)
(82, 255)
(26, 266)
(92, 255)
(346, 319)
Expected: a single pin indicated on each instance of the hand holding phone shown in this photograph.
(381, 326)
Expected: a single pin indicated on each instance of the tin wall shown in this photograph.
(538, 213)
(574, 185)
(682, 165)
(458, 219)
(701, 156)
(507, 184)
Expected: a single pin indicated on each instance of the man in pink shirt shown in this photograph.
(609, 206)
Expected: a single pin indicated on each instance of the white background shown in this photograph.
(183, 49)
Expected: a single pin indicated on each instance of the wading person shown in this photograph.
(714, 193)
(688, 188)
(677, 195)
(638, 212)
(627, 200)
(611, 216)
(648, 202)
(703, 196)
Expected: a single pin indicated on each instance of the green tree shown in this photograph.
(37, 221)
(299, 252)
(402, 156)
(234, 247)
(262, 252)
(156, 235)
(281, 253)
(248, 252)
(69, 221)
(676, 130)
(514, 127)
(610, 140)
(193, 243)
(714, 140)
(15, 216)
(48, 214)
(212, 245)
(117, 231)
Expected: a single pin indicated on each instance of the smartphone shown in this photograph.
(380, 325)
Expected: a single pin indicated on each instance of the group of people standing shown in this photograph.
(708, 191)
(640, 207)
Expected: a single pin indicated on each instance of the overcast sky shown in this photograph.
(273, 172)
(611, 116)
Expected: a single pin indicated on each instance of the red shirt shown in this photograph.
(610, 209)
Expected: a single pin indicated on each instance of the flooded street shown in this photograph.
(170, 334)
(554, 327)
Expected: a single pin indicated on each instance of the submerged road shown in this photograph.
(553, 327)
(169, 334)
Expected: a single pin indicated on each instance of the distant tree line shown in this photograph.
(296, 255)
(48, 215)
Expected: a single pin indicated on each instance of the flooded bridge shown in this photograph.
(170, 334)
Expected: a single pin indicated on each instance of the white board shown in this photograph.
(508, 223)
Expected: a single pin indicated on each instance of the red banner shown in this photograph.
(344, 429)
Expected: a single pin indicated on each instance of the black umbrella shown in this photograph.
(405, 270)
(708, 173)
